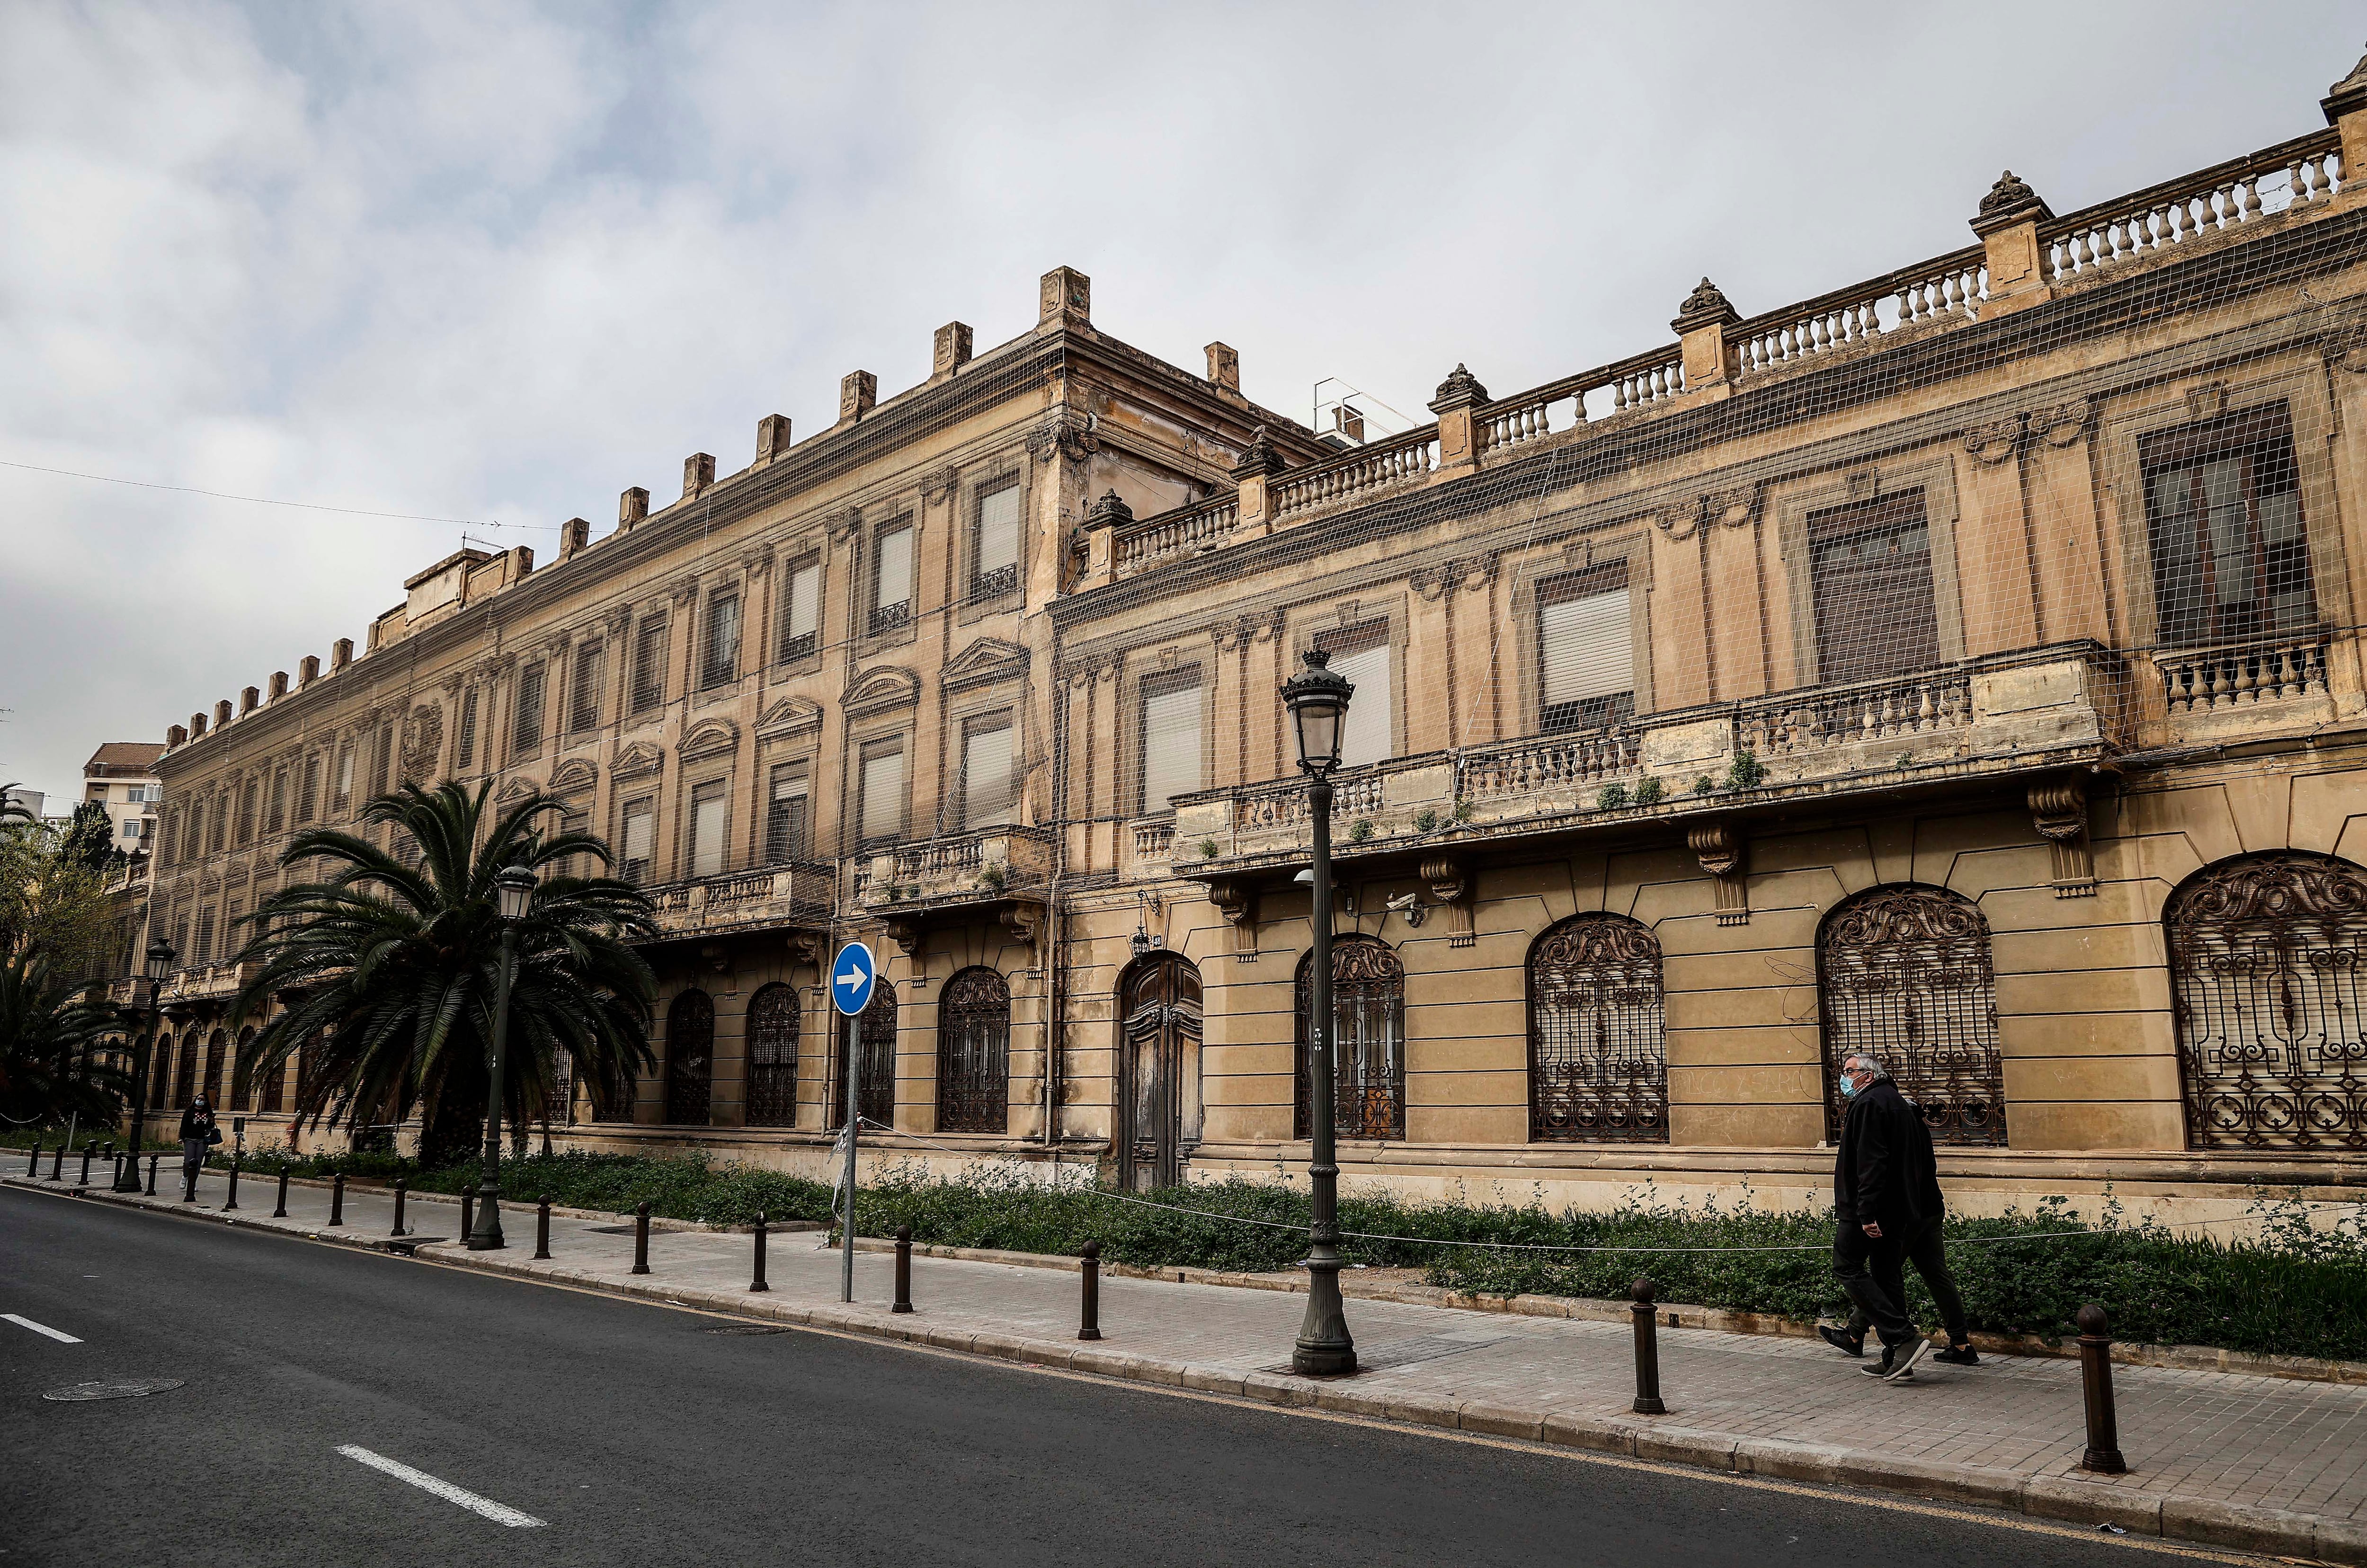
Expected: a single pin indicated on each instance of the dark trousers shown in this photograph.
(1873, 1273)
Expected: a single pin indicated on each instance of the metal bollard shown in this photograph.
(467, 1212)
(756, 1281)
(398, 1194)
(2103, 1455)
(904, 1270)
(1090, 1326)
(279, 1211)
(34, 1169)
(542, 1227)
(151, 1174)
(338, 1198)
(231, 1203)
(641, 1238)
(83, 1179)
(58, 1165)
(1647, 1350)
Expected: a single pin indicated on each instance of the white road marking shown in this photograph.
(39, 1329)
(500, 1513)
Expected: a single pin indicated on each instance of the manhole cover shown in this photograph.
(748, 1328)
(114, 1388)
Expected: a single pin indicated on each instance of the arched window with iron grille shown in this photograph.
(2268, 967)
(242, 1086)
(160, 1074)
(185, 1071)
(974, 1054)
(876, 1100)
(773, 1028)
(1904, 974)
(216, 1047)
(1598, 1063)
(1367, 1041)
(690, 1059)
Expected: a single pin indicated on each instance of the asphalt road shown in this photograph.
(640, 1436)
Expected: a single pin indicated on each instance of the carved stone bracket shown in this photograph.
(1449, 880)
(2061, 425)
(1237, 902)
(807, 947)
(1062, 437)
(1997, 441)
(906, 935)
(2058, 810)
(1720, 846)
(1736, 508)
(1023, 921)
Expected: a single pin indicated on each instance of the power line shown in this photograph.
(266, 500)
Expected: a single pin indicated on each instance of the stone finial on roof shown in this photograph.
(1109, 511)
(308, 670)
(2348, 97)
(175, 735)
(1259, 457)
(1064, 293)
(1460, 388)
(2009, 201)
(1706, 306)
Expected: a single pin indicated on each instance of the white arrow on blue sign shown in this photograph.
(852, 976)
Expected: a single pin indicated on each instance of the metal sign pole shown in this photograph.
(853, 1126)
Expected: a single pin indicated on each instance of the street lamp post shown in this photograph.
(513, 891)
(1317, 700)
(160, 968)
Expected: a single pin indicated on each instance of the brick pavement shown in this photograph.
(2254, 1463)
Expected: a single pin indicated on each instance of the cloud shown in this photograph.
(501, 261)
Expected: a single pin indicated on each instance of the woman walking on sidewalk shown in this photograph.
(198, 1133)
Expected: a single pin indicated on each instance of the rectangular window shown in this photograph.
(204, 953)
(222, 821)
(649, 665)
(1169, 739)
(1361, 654)
(382, 771)
(786, 816)
(986, 772)
(577, 865)
(2223, 514)
(1586, 652)
(996, 568)
(720, 666)
(584, 703)
(246, 802)
(891, 578)
(881, 811)
(801, 611)
(636, 841)
(709, 809)
(309, 795)
(1870, 567)
(278, 817)
(131, 828)
(525, 726)
(465, 753)
(345, 777)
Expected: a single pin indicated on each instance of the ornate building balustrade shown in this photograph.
(2238, 676)
(2045, 709)
(208, 982)
(2295, 173)
(1391, 460)
(1193, 530)
(988, 866)
(796, 894)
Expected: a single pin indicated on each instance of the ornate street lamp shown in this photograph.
(1317, 700)
(161, 958)
(513, 891)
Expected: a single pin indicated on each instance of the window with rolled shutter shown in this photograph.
(1871, 566)
(640, 839)
(1586, 651)
(709, 811)
(1170, 738)
(525, 730)
(648, 665)
(801, 622)
(465, 756)
(722, 662)
(1361, 654)
(583, 710)
(996, 569)
(882, 813)
(786, 815)
(985, 772)
(891, 578)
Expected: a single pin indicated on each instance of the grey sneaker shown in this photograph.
(1909, 1355)
(1882, 1368)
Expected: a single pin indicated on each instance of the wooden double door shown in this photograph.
(1158, 1044)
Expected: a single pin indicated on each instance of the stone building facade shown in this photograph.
(1960, 665)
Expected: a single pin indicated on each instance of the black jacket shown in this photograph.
(1884, 1171)
(196, 1123)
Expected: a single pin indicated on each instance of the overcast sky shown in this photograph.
(489, 262)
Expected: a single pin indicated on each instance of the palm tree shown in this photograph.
(388, 969)
(49, 1029)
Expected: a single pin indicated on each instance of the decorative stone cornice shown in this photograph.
(709, 737)
(879, 690)
(984, 664)
(790, 715)
(1738, 506)
(2061, 425)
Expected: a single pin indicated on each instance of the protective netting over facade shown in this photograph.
(1867, 674)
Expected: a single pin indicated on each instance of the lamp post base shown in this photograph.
(487, 1234)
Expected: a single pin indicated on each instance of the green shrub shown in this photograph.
(1361, 830)
(1426, 819)
(1647, 791)
(1612, 798)
(1746, 772)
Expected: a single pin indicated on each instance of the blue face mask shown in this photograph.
(1848, 1089)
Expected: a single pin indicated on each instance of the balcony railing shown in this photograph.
(2301, 173)
(795, 894)
(2241, 675)
(2046, 708)
(980, 867)
(1193, 530)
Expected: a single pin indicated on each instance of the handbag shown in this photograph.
(213, 1137)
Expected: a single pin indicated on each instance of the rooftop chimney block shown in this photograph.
(222, 713)
(341, 653)
(772, 438)
(279, 685)
(179, 735)
(1065, 296)
(858, 394)
(249, 700)
(574, 534)
(952, 350)
(308, 670)
(1225, 366)
(697, 474)
(631, 507)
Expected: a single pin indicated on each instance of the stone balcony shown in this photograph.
(2055, 712)
(999, 871)
(801, 894)
(210, 983)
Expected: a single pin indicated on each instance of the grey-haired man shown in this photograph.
(1886, 1200)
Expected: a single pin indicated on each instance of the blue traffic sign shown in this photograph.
(852, 976)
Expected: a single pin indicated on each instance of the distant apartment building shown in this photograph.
(1962, 665)
(122, 775)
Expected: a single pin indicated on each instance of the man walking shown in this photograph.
(1886, 1200)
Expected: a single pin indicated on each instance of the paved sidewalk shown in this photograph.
(2258, 1463)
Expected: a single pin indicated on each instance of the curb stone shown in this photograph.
(2058, 1498)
